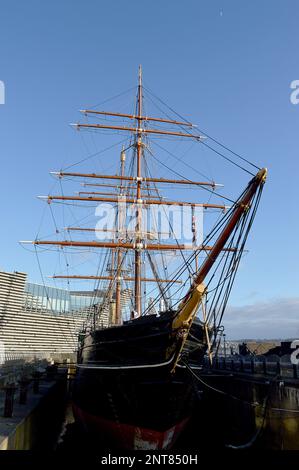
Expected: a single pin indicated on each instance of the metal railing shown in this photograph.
(262, 365)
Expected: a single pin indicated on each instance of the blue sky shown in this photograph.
(225, 65)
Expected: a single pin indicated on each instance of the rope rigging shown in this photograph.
(228, 261)
(229, 264)
(212, 138)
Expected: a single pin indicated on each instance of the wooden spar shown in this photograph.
(138, 130)
(126, 200)
(194, 297)
(127, 246)
(189, 305)
(131, 116)
(129, 187)
(89, 229)
(115, 194)
(104, 185)
(99, 193)
(240, 208)
(108, 278)
(138, 196)
(132, 178)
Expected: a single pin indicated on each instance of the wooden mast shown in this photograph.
(118, 317)
(137, 181)
(138, 195)
(137, 185)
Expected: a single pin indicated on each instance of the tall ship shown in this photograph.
(164, 273)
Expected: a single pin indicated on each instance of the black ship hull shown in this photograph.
(124, 391)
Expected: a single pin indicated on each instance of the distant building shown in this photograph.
(39, 298)
(43, 320)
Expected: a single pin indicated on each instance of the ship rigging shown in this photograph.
(139, 358)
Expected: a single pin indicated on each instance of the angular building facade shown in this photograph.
(42, 320)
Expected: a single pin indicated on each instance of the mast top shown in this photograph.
(140, 75)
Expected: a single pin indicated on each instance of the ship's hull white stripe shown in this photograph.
(142, 366)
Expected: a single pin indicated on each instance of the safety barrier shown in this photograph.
(272, 365)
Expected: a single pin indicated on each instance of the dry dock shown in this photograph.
(250, 403)
(32, 407)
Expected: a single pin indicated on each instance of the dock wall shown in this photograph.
(250, 409)
(36, 424)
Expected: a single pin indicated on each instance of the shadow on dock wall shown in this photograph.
(38, 430)
(252, 412)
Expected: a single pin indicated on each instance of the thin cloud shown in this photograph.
(277, 318)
